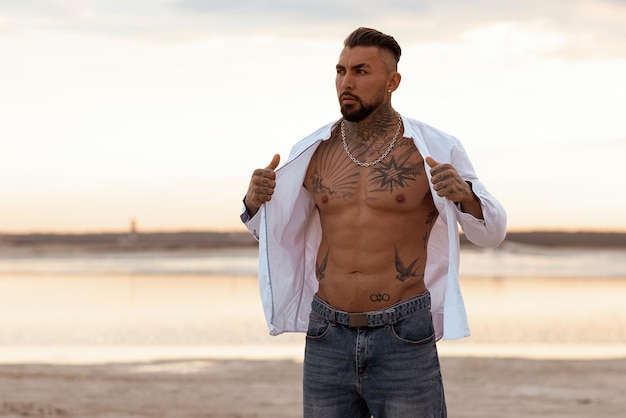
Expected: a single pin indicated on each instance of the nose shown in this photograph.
(346, 82)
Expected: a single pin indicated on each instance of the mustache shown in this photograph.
(349, 95)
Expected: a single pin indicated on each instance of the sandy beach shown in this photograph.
(475, 387)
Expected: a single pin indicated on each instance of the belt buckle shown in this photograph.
(357, 320)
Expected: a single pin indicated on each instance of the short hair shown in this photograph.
(373, 37)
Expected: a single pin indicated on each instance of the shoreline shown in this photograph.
(84, 355)
(293, 350)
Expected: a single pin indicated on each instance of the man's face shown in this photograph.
(361, 82)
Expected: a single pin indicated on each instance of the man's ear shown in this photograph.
(394, 81)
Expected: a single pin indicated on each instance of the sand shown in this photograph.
(475, 387)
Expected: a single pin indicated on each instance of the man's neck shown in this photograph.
(380, 124)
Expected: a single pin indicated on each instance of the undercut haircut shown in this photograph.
(372, 37)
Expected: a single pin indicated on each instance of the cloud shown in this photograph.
(587, 28)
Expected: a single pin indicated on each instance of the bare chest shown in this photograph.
(398, 182)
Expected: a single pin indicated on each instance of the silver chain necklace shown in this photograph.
(379, 159)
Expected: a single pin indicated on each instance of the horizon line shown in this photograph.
(245, 231)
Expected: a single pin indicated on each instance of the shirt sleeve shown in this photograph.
(251, 222)
(491, 230)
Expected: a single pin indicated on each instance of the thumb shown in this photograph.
(274, 163)
(431, 162)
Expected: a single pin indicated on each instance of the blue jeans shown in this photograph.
(391, 370)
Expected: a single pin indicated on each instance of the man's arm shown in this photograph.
(449, 184)
(483, 218)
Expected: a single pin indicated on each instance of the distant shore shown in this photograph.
(130, 241)
(207, 239)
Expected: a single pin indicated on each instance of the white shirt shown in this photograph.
(289, 233)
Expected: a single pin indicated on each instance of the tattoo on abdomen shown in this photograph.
(320, 268)
(405, 272)
(380, 297)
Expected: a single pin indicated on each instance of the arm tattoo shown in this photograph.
(405, 272)
(320, 268)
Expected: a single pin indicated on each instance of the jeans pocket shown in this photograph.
(318, 326)
(416, 328)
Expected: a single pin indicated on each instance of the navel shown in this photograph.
(400, 198)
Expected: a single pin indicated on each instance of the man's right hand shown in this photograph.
(262, 185)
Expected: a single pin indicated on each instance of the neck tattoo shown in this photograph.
(379, 159)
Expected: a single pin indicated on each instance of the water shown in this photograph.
(233, 261)
(78, 306)
(525, 261)
(514, 261)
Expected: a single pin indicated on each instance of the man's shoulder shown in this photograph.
(323, 132)
(320, 134)
(414, 127)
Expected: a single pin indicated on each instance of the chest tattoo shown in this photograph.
(394, 174)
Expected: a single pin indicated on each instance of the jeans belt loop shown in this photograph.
(389, 316)
(333, 316)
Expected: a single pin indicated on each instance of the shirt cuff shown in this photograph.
(245, 215)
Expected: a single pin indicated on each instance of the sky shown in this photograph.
(159, 111)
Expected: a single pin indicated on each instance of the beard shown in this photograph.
(359, 111)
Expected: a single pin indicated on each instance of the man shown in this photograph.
(357, 232)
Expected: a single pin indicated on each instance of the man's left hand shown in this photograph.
(449, 184)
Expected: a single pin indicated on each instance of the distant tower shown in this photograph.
(133, 235)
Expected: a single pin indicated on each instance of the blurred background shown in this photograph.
(129, 131)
